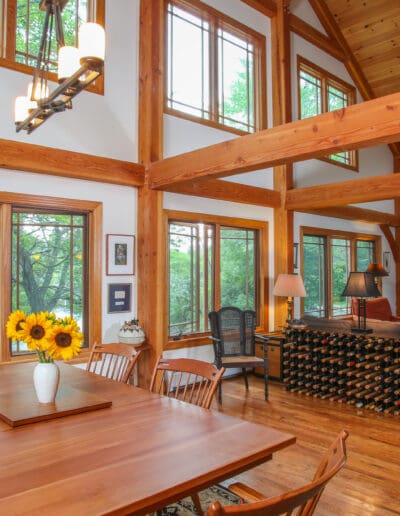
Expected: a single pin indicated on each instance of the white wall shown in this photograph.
(119, 216)
(102, 125)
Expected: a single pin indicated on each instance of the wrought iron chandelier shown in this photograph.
(77, 68)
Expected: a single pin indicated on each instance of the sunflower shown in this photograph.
(35, 331)
(65, 341)
(13, 326)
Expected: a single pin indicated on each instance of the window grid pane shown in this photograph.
(188, 63)
(29, 26)
(48, 266)
(340, 269)
(318, 92)
(211, 68)
(236, 70)
(314, 258)
(238, 268)
(310, 95)
(365, 254)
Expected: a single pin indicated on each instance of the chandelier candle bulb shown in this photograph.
(68, 62)
(41, 92)
(91, 42)
(21, 108)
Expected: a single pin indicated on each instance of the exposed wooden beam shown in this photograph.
(376, 188)
(315, 37)
(394, 246)
(362, 125)
(229, 191)
(46, 160)
(359, 214)
(333, 30)
(300, 27)
(267, 7)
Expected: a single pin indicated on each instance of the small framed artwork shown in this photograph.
(295, 255)
(386, 261)
(120, 251)
(119, 297)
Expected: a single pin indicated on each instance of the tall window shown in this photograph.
(320, 92)
(215, 68)
(328, 258)
(210, 265)
(49, 261)
(48, 266)
(22, 21)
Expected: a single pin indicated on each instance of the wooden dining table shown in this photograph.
(135, 456)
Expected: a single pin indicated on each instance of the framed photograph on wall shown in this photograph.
(120, 250)
(119, 297)
(387, 261)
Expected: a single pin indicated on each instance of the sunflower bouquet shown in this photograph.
(51, 337)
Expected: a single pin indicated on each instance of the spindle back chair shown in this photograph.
(115, 361)
(301, 501)
(186, 379)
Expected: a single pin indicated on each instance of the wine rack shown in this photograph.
(359, 370)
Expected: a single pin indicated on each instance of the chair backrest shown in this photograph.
(376, 308)
(235, 329)
(301, 501)
(115, 361)
(186, 379)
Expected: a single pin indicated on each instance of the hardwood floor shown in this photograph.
(370, 481)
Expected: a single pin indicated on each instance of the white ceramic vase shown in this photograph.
(46, 377)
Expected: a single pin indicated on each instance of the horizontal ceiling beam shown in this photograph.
(361, 125)
(47, 160)
(359, 214)
(376, 188)
(229, 191)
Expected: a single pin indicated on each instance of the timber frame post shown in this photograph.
(283, 174)
(151, 248)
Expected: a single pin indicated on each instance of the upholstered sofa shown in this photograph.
(379, 318)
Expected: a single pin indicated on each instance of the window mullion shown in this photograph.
(214, 67)
(217, 267)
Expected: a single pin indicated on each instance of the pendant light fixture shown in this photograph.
(77, 68)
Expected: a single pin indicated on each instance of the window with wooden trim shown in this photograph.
(212, 264)
(22, 25)
(328, 258)
(320, 92)
(50, 263)
(215, 68)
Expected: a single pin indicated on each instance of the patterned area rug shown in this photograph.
(186, 507)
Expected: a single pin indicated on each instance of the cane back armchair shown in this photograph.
(234, 341)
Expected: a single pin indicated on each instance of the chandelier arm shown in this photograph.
(42, 49)
(69, 88)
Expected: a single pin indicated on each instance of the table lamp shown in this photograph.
(361, 285)
(290, 286)
(378, 271)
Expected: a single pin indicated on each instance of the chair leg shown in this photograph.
(266, 384)
(246, 381)
(220, 392)
(197, 504)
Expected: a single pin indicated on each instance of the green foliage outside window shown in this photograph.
(48, 264)
(192, 275)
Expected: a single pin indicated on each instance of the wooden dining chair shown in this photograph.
(189, 380)
(115, 361)
(304, 499)
(186, 379)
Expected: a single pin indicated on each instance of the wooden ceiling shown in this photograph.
(371, 29)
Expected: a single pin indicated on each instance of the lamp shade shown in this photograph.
(91, 42)
(360, 284)
(377, 269)
(289, 285)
